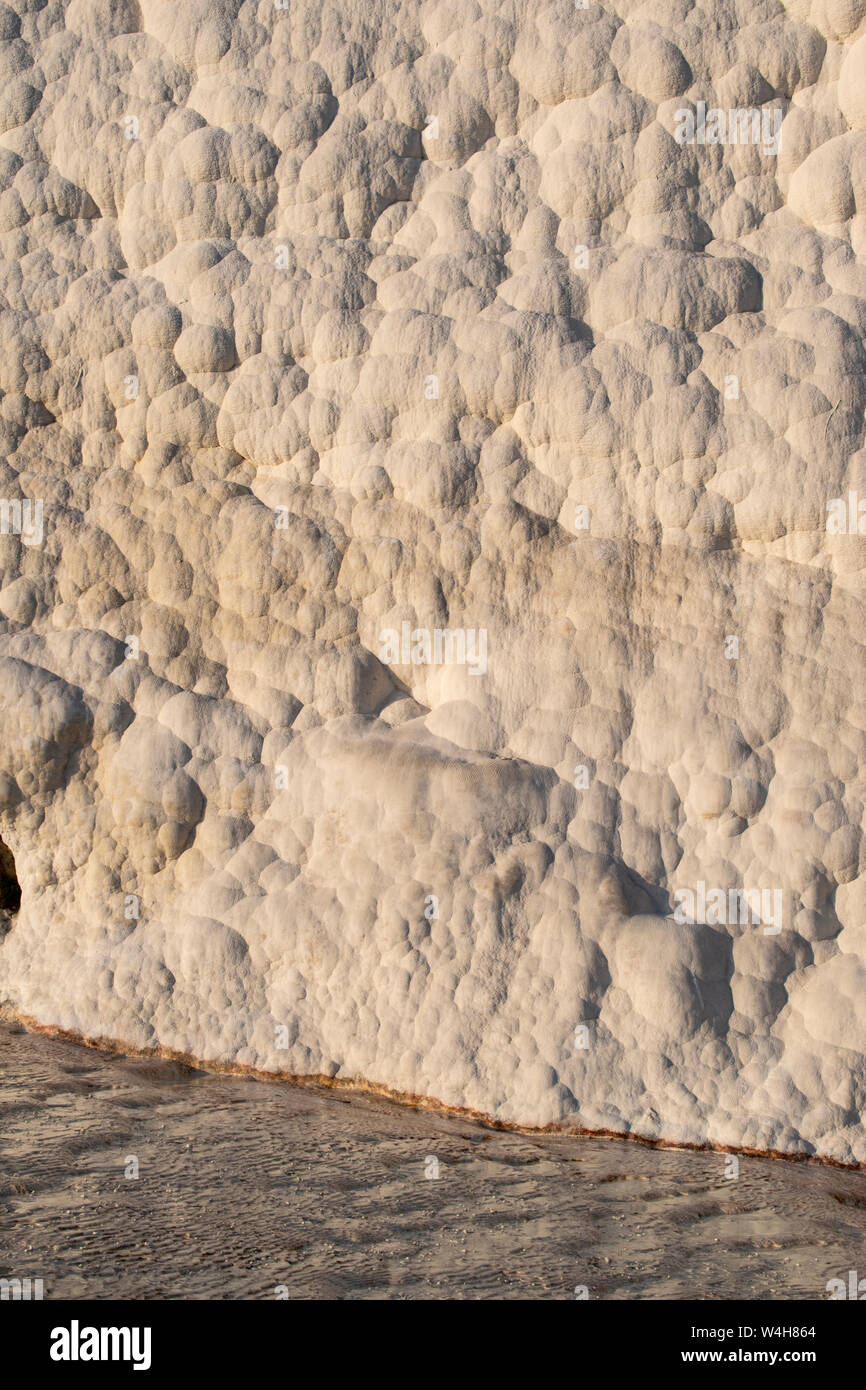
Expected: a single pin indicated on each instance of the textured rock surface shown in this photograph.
(320, 321)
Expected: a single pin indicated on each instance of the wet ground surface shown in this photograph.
(246, 1186)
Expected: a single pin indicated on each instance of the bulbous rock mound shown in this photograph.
(431, 570)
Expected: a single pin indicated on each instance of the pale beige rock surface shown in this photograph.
(319, 321)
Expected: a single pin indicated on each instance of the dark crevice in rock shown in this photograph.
(10, 888)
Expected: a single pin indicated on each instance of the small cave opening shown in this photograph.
(10, 888)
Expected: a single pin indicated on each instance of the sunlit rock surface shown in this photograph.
(326, 330)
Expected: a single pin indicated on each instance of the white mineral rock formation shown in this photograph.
(433, 550)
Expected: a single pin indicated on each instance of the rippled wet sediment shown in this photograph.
(246, 1185)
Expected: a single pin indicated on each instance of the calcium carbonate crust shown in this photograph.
(321, 321)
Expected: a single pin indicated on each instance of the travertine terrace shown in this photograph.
(327, 329)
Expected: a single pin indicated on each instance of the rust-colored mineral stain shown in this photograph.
(360, 1086)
